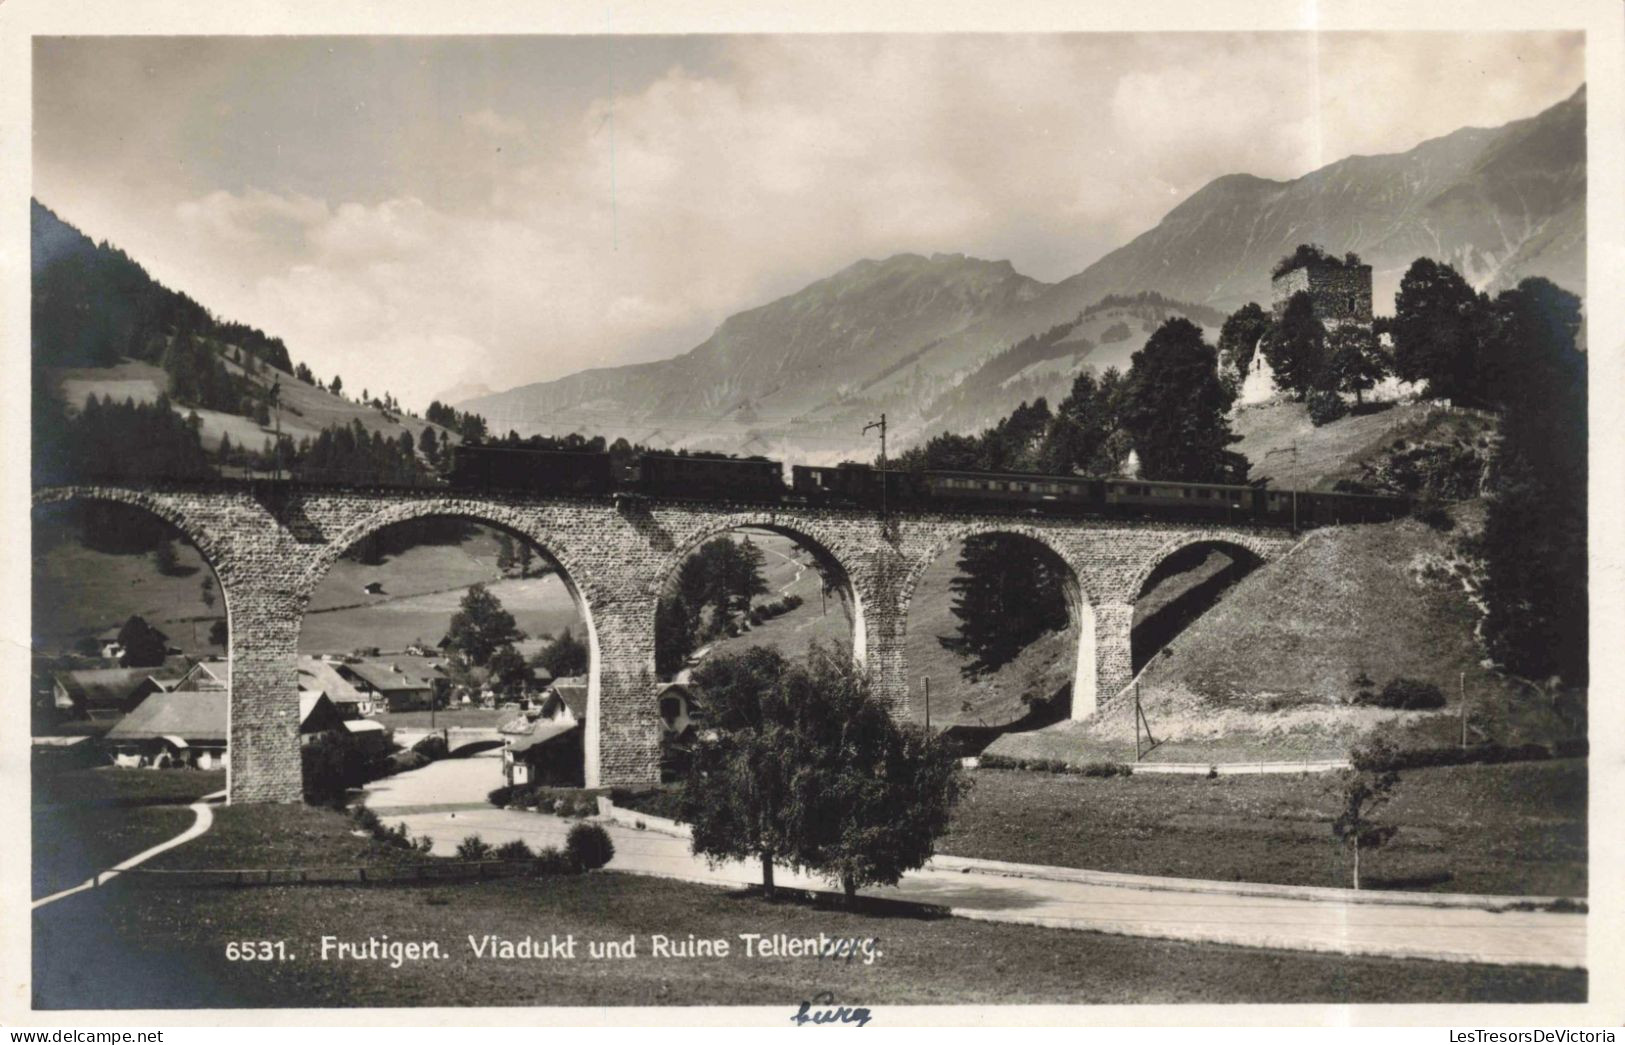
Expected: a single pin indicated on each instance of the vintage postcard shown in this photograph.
(715, 514)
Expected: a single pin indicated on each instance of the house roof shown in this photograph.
(110, 687)
(388, 676)
(365, 725)
(518, 725)
(574, 696)
(196, 715)
(317, 713)
(544, 732)
(205, 674)
(320, 675)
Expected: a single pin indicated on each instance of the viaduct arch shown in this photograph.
(271, 545)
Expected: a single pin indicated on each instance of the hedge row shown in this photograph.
(1056, 765)
(586, 848)
(1381, 757)
(777, 608)
(563, 802)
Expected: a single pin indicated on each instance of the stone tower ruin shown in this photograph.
(1341, 292)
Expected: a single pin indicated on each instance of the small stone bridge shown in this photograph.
(270, 546)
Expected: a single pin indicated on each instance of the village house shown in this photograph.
(182, 728)
(372, 738)
(188, 727)
(324, 677)
(393, 684)
(107, 693)
(547, 747)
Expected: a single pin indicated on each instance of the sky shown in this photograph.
(423, 213)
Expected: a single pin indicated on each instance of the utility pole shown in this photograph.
(276, 414)
(880, 424)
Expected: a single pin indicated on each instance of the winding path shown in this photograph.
(205, 820)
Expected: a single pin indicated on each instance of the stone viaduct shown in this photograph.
(270, 546)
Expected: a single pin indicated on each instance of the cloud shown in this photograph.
(626, 227)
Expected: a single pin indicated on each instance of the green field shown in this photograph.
(165, 948)
(1517, 829)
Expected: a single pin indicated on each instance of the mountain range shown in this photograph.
(913, 336)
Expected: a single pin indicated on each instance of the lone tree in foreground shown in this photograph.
(1364, 793)
(808, 768)
(481, 626)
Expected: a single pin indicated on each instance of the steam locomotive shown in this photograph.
(757, 479)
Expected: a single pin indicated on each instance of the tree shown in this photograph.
(481, 626)
(1534, 540)
(1355, 361)
(1296, 347)
(564, 656)
(208, 590)
(163, 557)
(1006, 594)
(428, 444)
(808, 767)
(1365, 792)
(218, 634)
(1174, 409)
(262, 413)
(508, 671)
(337, 387)
(526, 556)
(225, 451)
(674, 635)
(504, 553)
(1241, 334)
(1438, 327)
(144, 645)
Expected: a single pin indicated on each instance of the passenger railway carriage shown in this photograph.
(855, 485)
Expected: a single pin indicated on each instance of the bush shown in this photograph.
(514, 850)
(588, 846)
(1434, 515)
(554, 861)
(1326, 407)
(1381, 755)
(432, 747)
(404, 761)
(473, 848)
(330, 765)
(1410, 695)
(1056, 765)
(366, 819)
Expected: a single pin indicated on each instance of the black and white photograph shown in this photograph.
(791, 524)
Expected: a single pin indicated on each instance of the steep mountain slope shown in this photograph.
(1498, 204)
(789, 355)
(101, 324)
(800, 376)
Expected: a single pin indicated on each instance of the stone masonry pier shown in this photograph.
(271, 545)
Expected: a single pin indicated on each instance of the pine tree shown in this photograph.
(1174, 409)
(1241, 334)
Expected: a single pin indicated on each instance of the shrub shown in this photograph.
(330, 765)
(1325, 407)
(554, 861)
(1433, 514)
(432, 747)
(499, 797)
(423, 844)
(404, 761)
(588, 846)
(514, 850)
(1056, 765)
(473, 848)
(366, 819)
(1410, 695)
